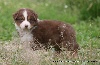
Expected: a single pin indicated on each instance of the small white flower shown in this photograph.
(65, 6)
(90, 25)
(46, 4)
(5, 3)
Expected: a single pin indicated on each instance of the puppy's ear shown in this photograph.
(35, 16)
(15, 15)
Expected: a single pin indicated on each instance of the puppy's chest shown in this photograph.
(26, 36)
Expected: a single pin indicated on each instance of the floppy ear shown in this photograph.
(15, 15)
(35, 16)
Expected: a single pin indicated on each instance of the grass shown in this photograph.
(87, 32)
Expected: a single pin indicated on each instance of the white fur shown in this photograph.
(25, 35)
(38, 20)
(25, 22)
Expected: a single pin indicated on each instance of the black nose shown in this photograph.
(26, 26)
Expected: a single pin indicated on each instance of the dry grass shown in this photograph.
(13, 53)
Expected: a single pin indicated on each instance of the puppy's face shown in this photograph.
(25, 18)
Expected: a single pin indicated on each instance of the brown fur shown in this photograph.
(51, 33)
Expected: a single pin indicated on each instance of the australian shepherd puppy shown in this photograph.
(44, 33)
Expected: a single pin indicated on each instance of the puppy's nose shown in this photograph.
(26, 26)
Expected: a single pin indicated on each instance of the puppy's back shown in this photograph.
(56, 34)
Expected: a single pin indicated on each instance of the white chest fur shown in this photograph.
(25, 35)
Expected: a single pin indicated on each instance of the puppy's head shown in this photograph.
(25, 18)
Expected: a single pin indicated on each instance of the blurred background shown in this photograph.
(84, 15)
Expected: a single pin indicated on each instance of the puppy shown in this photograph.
(45, 33)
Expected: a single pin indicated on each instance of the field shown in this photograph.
(87, 31)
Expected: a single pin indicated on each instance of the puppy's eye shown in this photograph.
(31, 19)
(19, 19)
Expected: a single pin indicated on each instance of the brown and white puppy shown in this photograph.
(44, 33)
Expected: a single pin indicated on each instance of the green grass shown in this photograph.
(87, 32)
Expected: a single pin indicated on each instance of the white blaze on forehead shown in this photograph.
(25, 14)
(25, 22)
